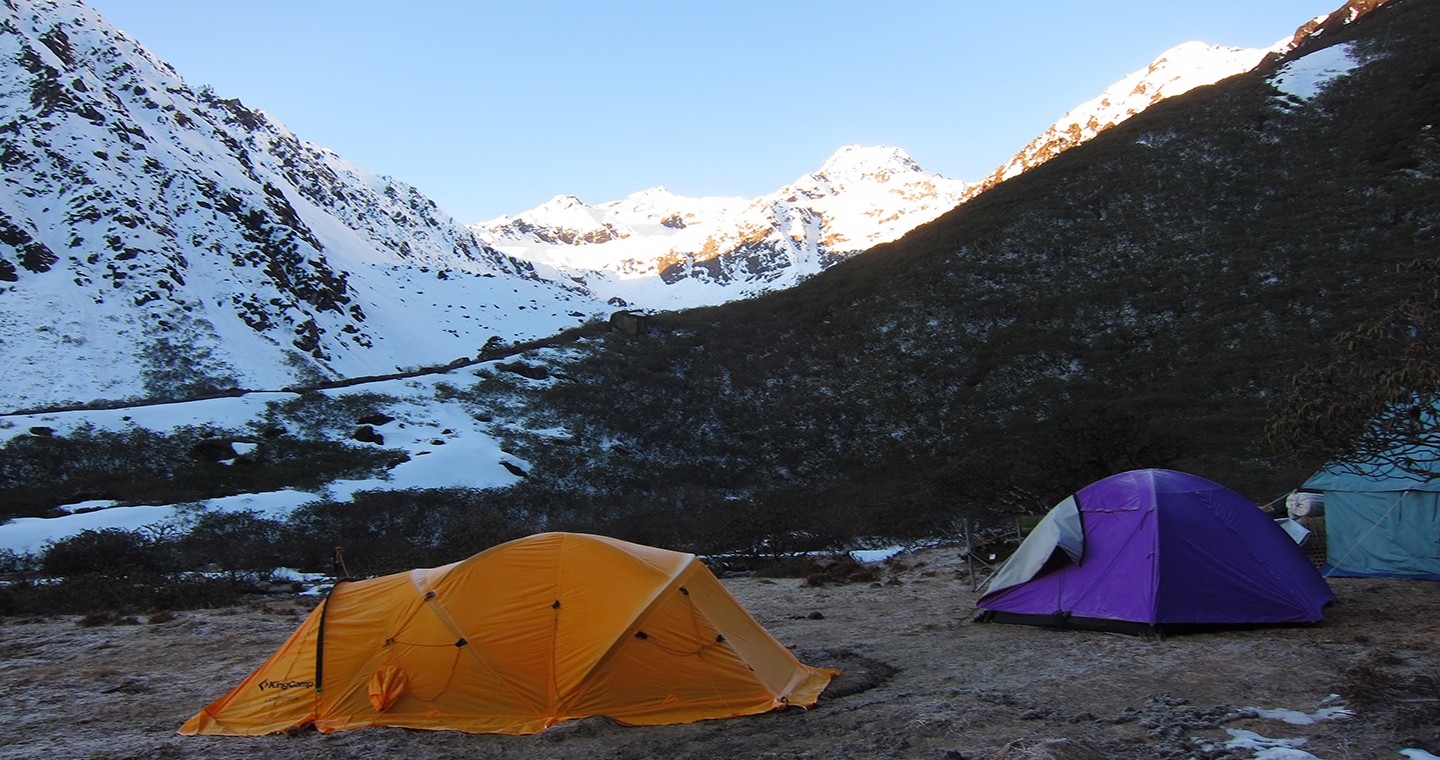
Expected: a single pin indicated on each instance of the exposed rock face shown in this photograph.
(159, 241)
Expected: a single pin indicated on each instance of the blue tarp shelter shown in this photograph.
(1380, 521)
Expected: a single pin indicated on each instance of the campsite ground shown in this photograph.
(921, 681)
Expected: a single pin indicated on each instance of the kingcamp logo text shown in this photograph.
(283, 685)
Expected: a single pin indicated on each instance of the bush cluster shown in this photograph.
(41, 472)
(223, 556)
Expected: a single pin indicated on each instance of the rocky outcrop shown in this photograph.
(158, 241)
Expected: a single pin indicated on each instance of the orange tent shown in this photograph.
(518, 638)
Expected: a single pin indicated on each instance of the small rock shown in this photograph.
(367, 434)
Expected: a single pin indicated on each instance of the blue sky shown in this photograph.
(491, 108)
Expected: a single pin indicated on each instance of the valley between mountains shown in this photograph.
(238, 364)
(872, 350)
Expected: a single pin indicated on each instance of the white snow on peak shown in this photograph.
(1175, 72)
(1308, 76)
(655, 249)
(563, 202)
(560, 210)
(659, 193)
(878, 162)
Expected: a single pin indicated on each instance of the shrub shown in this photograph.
(110, 552)
(235, 541)
(389, 531)
(317, 415)
(99, 594)
(38, 473)
(14, 562)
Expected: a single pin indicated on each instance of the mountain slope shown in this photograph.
(1132, 302)
(157, 241)
(1174, 72)
(655, 249)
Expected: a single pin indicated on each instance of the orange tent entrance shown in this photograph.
(518, 638)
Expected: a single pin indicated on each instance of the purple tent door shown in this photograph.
(1164, 547)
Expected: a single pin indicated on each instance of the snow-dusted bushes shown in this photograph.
(39, 472)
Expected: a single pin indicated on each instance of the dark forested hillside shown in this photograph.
(1133, 302)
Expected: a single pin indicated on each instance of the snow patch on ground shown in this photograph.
(1308, 76)
(876, 555)
(30, 534)
(1297, 718)
(447, 443)
(1267, 748)
(447, 448)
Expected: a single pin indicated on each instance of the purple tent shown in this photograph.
(1151, 548)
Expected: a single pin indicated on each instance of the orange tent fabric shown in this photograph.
(518, 638)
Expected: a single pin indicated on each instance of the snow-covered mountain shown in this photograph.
(158, 241)
(1177, 71)
(655, 249)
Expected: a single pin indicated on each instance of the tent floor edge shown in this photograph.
(1070, 622)
(1130, 627)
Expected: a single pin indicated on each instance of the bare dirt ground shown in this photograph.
(922, 681)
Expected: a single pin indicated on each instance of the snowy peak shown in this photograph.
(543, 234)
(854, 163)
(1177, 71)
(658, 250)
(868, 170)
(655, 197)
(1320, 30)
(562, 203)
(569, 217)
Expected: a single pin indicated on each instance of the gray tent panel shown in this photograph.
(1059, 530)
